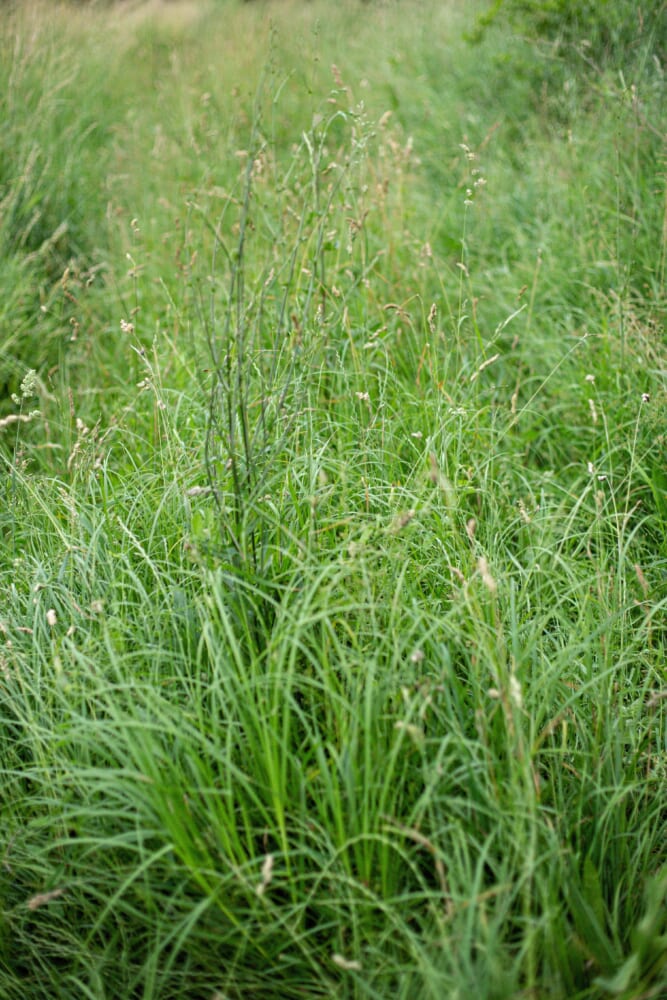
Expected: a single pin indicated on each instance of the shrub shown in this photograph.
(601, 30)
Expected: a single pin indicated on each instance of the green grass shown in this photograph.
(333, 528)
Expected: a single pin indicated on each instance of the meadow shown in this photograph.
(333, 530)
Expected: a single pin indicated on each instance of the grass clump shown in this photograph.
(333, 654)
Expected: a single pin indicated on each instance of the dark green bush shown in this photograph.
(600, 30)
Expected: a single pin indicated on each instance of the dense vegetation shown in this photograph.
(333, 549)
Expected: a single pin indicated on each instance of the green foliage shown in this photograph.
(54, 152)
(600, 31)
(333, 520)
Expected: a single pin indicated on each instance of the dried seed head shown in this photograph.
(42, 898)
(516, 696)
(594, 412)
(267, 875)
(485, 573)
(349, 965)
